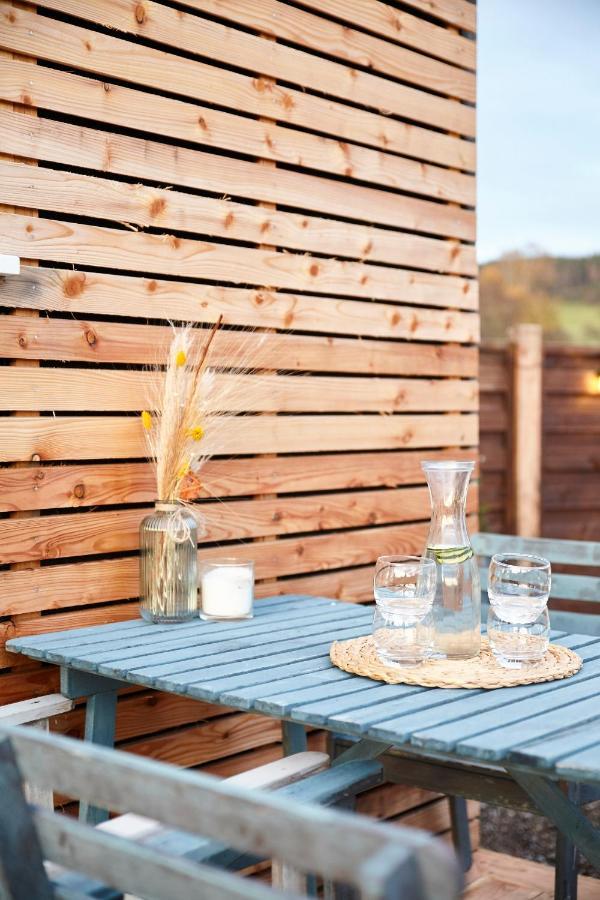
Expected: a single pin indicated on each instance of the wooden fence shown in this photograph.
(570, 465)
(302, 171)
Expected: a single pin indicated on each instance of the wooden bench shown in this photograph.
(379, 861)
(37, 712)
(574, 587)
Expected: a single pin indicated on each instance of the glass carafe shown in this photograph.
(457, 605)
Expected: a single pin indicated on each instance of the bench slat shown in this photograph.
(580, 553)
(28, 711)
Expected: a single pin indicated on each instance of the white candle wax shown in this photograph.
(227, 591)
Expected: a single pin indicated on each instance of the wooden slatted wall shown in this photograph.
(305, 169)
(570, 449)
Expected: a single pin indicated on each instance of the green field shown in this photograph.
(560, 293)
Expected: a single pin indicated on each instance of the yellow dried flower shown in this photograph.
(196, 433)
(146, 420)
(180, 359)
(183, 469)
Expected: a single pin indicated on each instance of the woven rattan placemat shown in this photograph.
(359, 656)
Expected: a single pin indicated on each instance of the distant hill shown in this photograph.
(562, 294)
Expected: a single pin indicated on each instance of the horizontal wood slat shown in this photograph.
(396, 25)
(123, 391)
(460, 13)
(86, 583)
(205, 742)
(145, 713)
(133, 203)
(345, 43)
(567, 414)
(55, 537)
(314, 152)
(86, 97)
(570, 491)
(113, 57)
(108, 342)
(111, 437)
(96, 293)
(40, 487)
(561, 379)
(563, 458)
(305, 110)
(60, 142)
(92, 245)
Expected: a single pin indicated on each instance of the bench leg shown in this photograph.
(36, 795)
(284, 876)
(334, 890)
(461, 836)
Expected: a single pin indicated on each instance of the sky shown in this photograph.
(538, 127)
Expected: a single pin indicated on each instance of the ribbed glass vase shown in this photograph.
(168, 564)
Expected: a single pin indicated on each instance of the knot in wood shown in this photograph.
(22, 340)
(73, 285)
(90, 337)
(79, 491)
(140, 14)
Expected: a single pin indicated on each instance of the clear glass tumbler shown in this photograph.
(518, 620)
(404, 589)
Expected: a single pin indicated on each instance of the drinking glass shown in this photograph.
(518, 621)
(404, 589)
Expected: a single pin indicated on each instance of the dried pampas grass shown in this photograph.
(181, 412)
(192, 401)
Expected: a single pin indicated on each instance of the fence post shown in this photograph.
(527, 365)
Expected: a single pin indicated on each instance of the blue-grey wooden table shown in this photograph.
(517, 746)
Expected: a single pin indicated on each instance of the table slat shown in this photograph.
(198, 633)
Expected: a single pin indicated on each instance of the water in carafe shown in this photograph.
(457, 605)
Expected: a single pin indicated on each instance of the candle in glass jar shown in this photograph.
(227, 589)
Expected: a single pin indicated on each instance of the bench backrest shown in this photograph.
(584, 588)
(380, 861)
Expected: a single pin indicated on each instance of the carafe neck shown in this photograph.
(448, 484)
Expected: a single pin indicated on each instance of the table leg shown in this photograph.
(368, 749)
(100, 718)
(293, 736)
(461, 836)
(569, 820)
